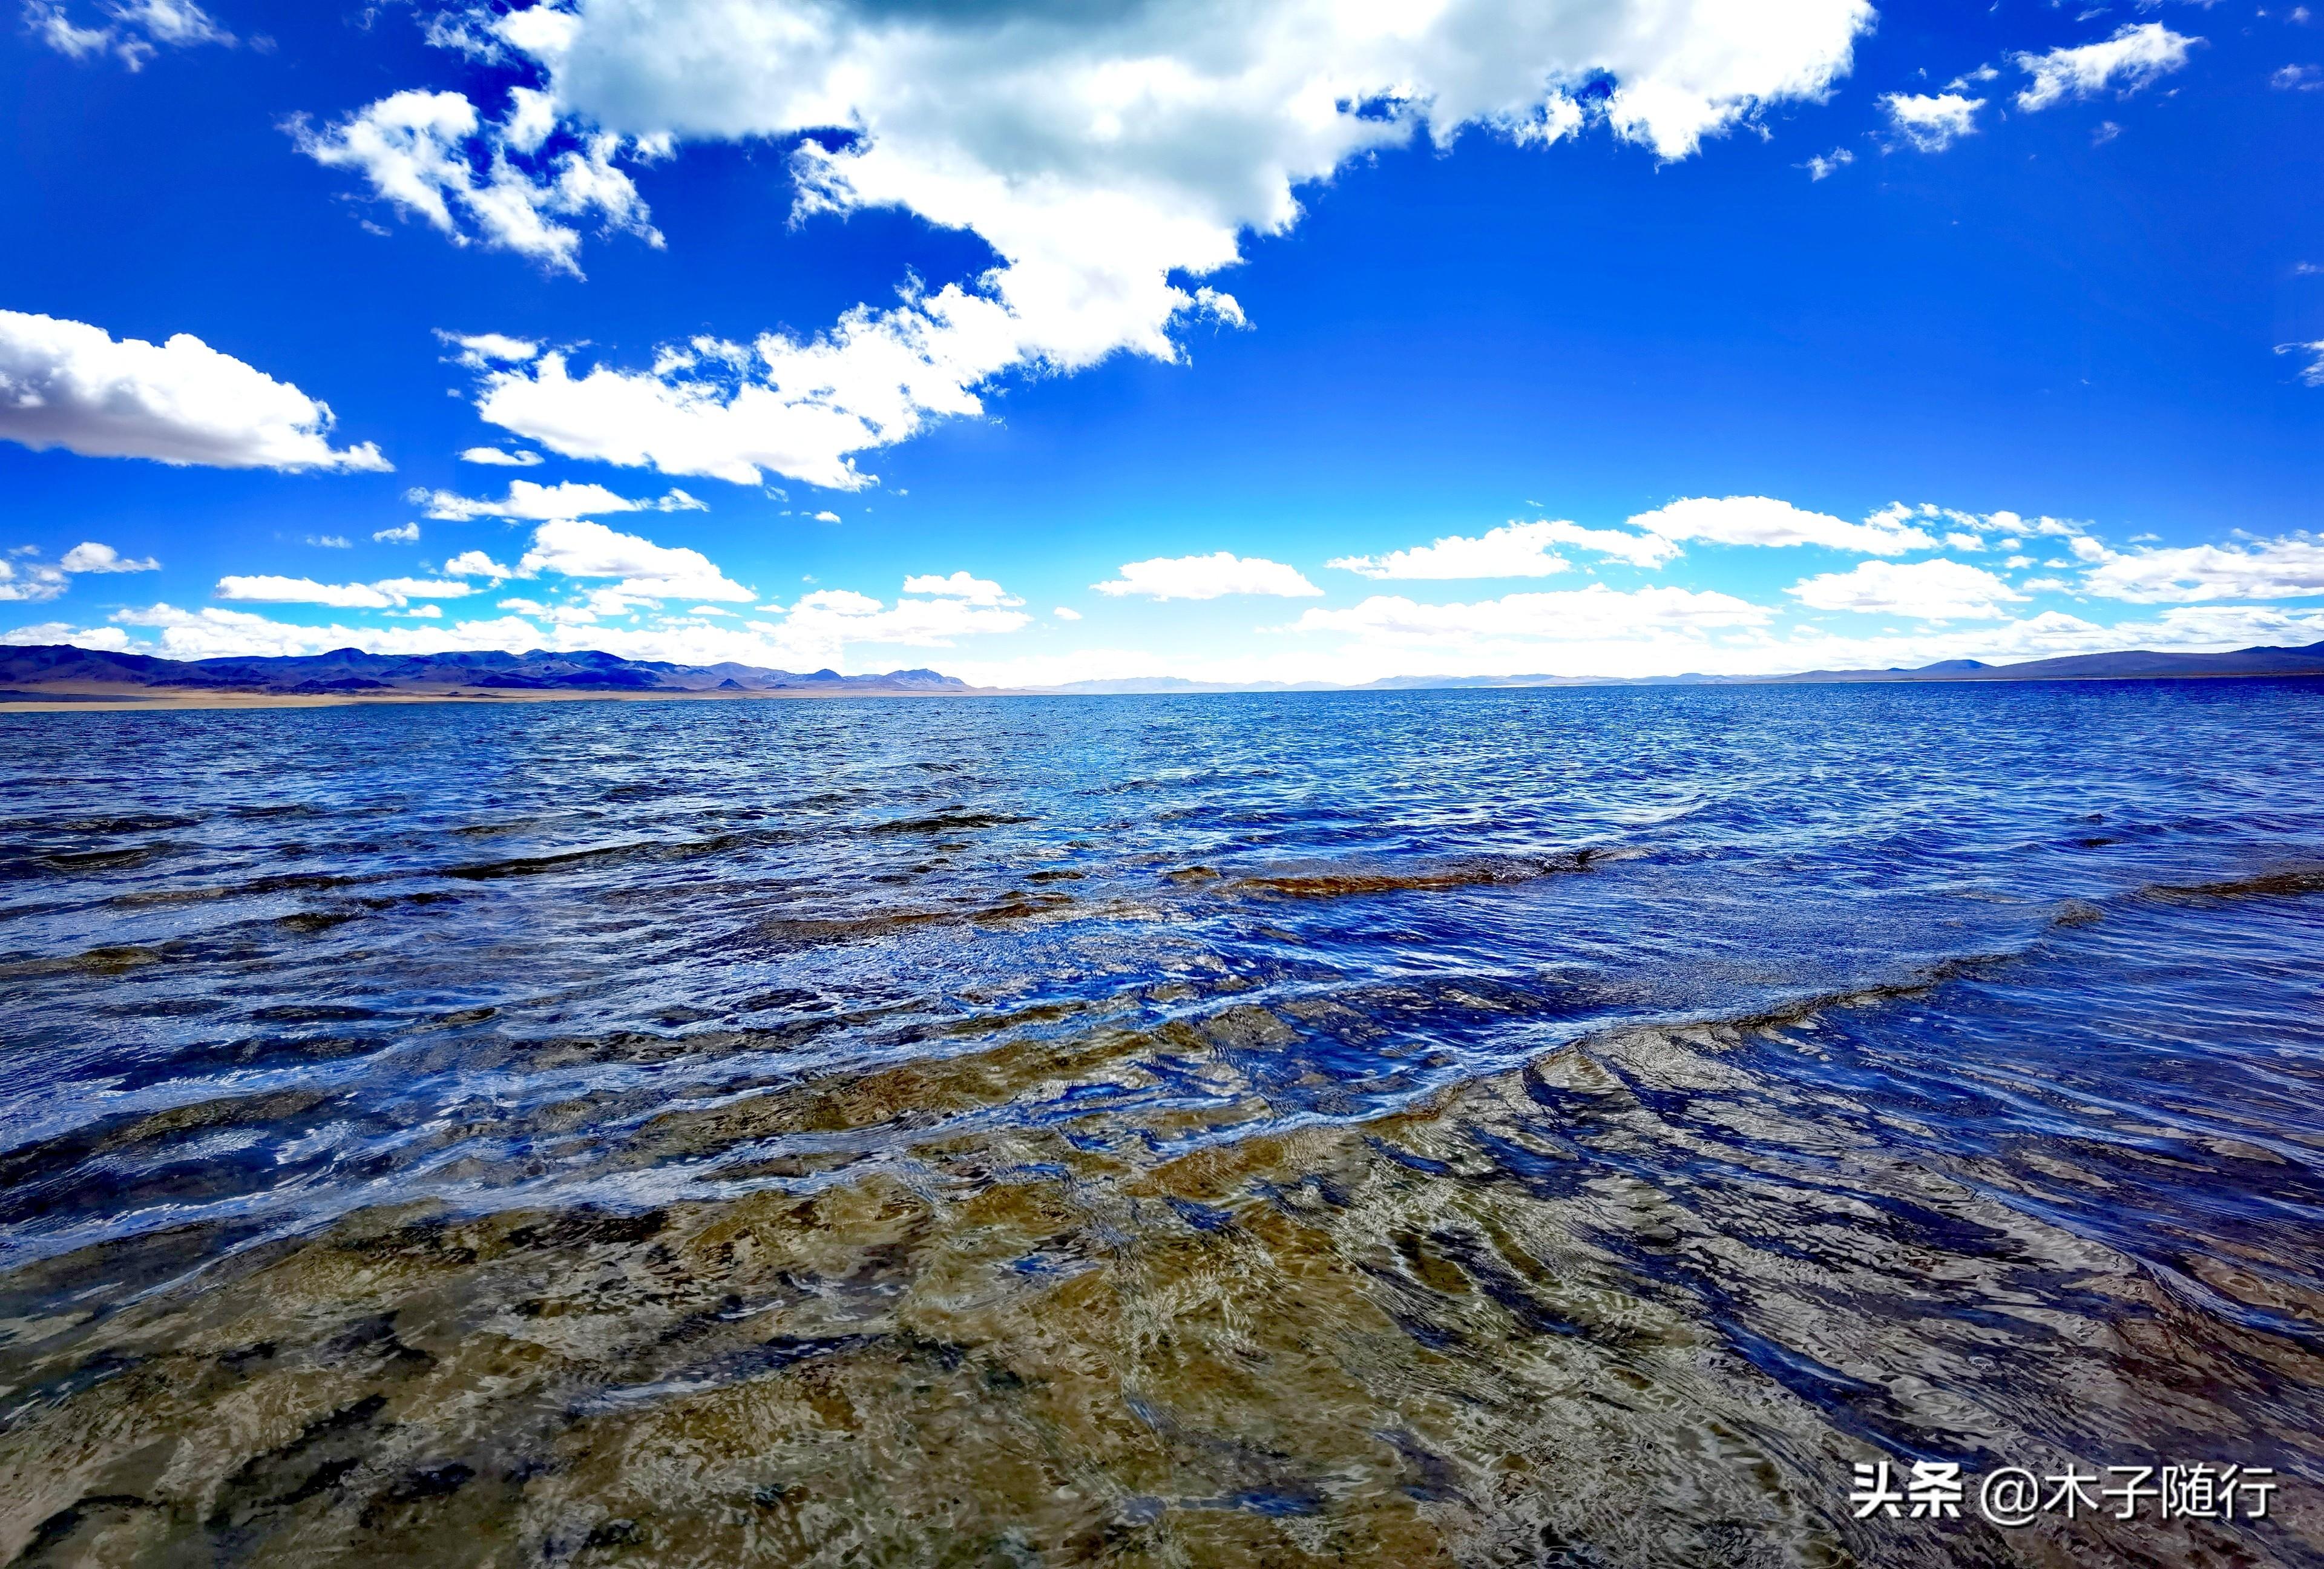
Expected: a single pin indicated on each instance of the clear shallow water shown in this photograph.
(1477, 1126)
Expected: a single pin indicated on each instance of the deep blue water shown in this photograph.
(2062, 946)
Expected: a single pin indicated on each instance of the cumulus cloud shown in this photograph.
(732, 411)
(1208, 576)
(1645, 640)
(432, 155)
(476, 564)
(960, 585)
(30, 581)
(1112, 156)
(536, 503)
(57, 632)
(476, 350)
(389, 593)
(1824, 165)
(2137, 55)
(1515, 549)
(2292, 568)
(402, 535)
(1931, 122)
(273, 590)
(214, 633)
(493, 456)
(1577, 614)
(402, 588)
(1758, 520)
(576, 548)
(826, 627)
(1066, 612)
(1937, 590)
(1607, 633)
(89, 555)
(132, 31)
(831, 618)
(65, 383)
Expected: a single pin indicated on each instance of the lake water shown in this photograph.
(1565, 1127)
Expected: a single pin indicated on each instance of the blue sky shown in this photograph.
(1290, 340)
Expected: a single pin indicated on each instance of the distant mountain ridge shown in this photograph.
(2129, 666)
(48, 671)
(2137, 664)
(53, 672)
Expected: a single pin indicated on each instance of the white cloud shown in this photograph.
(134, 31)
(420, 153)
(1607, 633)
(2137, 55)
(494, 458)
(1208, 578)
(1515, 549)
(825, 621)
(476, 564)
(478, 350)
(1112, 156)
(539, 503)
(213, 633)
(2312, 373)
(1758, 519)
(575, 547)
(799, 408)
(2297, 78)
(1823, 165)
(1065, 613)
(391, 592)
(57, 632)
(2292, 568)
(402, 588)
(826, 517)
(31, 582)
(823, 629)
(1521, 619)
(1931, 122)
(1936, 590)
(271, 590)
(51, 23)
(330, 541)
(960, 585)
(402, 535)
(1618, 638)
(65, 383)
(89, 555)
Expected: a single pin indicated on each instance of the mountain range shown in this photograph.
(57, 672)
(51, 672)
(2130, 666)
